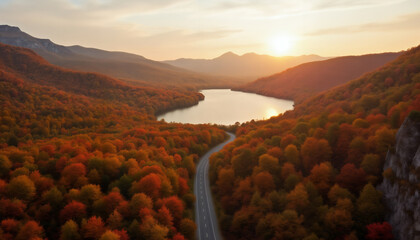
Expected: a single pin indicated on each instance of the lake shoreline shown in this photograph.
(227, 107)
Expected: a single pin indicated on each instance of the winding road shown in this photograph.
(205, 215)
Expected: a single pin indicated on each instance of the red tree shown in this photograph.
(175, 206)
(351, 178)
(94, 228)
(264, 182)
(379, 231)
(149, 185)
(74, 210)
(30, 230)
(315, 151)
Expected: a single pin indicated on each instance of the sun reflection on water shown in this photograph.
(270, 112)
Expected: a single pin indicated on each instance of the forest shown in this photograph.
(81, 156)
(311, 173)
(308, 79)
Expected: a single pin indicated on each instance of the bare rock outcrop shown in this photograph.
(401, 185)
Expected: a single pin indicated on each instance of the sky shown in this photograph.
(171, 29)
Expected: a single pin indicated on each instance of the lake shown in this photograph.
(226, 107)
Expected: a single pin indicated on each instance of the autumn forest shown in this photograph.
(83, 156)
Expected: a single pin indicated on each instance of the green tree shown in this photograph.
(151, 229)
(5, 165)
(109, 235)
(187, 228)
(268, 163)
(70, 231)
(369, 205)
(242, 163)
(292, 155)
(89, 194)
(21, 187)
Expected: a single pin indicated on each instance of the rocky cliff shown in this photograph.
(14, 36)
(401, 185)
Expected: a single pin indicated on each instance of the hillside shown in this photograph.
(311, 173)
(247, 67)
(81, 156)
(305, 80)
(28, 65)
(131, 68)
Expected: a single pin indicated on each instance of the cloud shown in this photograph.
(174, 28)
(405, 22)
(181, 37)
(212, 34)
(280, 8)
(80, 9)
(124, 7)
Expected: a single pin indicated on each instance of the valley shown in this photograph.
(93, 141)
(271, 120)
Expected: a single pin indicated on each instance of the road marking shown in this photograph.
(208, 203)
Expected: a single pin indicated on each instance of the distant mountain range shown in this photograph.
(305, 80)
(247, 67)
(294, 77)
(128, 67)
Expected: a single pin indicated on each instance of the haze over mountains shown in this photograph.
(247, 67)
(128, 67)
(291, 77)
(305, 80)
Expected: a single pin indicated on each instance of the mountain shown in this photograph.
(247, 67)
(81, 155)
(312, 172)
(27, 65)
(131, 68)
(307, 79)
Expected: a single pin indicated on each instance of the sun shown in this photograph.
(281, 44)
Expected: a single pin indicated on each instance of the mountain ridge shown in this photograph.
(307, 79)
(25, 64)
(311, 172)
(132, 68)
(248, 66)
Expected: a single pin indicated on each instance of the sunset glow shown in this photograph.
(165, 30)
(209, 119)
(281, 45)
(271, 112)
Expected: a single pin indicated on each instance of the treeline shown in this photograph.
(311, 173)
(76, 163)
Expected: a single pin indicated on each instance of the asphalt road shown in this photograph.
(205, 215)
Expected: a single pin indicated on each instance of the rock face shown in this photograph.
(402, 189)
(14, 36)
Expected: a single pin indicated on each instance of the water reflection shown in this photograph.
(271, 112)
(223, 106)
